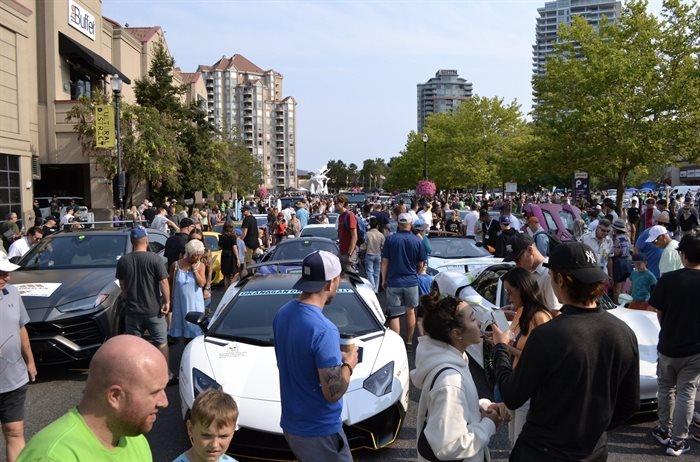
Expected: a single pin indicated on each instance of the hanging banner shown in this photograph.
(104, 126)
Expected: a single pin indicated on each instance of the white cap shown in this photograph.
(655, 232)
(6, 265)
(405, 218)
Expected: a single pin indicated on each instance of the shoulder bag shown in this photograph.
(424, 448)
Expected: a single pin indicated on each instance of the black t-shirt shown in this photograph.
(633, 215)
(454, 225)
(676, 298)
(382, 220)
(251, 237)
(174, 247)
(149, 214)
(142, 273)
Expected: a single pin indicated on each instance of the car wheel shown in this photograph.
(118, 324)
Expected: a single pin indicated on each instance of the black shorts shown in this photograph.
(12, 405)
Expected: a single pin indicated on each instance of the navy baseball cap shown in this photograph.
(138, 233)
(317, 270)
(185, 222)
(517, 247)
(578, 259)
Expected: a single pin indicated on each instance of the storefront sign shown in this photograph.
(104, 126)
(79, 18)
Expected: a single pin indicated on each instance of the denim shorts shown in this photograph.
(156, 326)
(402, 296)
(12, 405)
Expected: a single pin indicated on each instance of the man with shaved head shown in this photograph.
(125, 389)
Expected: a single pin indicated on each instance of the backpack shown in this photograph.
(554, 241)
(361, 228)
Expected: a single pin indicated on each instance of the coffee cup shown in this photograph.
(347, 342)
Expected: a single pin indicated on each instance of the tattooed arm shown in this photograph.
(334, 382)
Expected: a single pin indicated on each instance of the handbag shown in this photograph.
(424, 448)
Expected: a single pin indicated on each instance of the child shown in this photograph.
(210, 426)
(642, 282)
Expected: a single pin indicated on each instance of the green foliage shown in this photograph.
(337, 175)
(622, 96)
(166, 144)
(472, 146)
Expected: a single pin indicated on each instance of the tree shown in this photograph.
(465, 148)
(621, 96)
(150, 149)
(337, 175)
(158, 90)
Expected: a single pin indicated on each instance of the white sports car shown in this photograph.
(459, 254)
(487, 293)
(236, 354)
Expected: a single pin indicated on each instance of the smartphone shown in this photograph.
(499, 318)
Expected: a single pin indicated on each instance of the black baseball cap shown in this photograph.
(517, 247)
(578, 259)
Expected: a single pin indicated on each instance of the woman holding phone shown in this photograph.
(524, 293)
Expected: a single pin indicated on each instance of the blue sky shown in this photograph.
(353, 66)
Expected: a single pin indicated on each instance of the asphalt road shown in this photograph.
(59, 389)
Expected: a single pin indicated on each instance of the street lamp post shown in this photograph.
(117, 90)
(425, 156)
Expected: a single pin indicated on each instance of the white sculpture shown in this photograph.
(318, 181)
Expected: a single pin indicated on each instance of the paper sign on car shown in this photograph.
(40, 289)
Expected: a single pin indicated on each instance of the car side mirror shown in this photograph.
(198, 318)
(393, 312)
(15, 259)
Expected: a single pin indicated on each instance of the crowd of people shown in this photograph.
(566, 370)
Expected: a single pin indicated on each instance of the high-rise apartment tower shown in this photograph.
(561, 11)
(442, 93)
(244, 100)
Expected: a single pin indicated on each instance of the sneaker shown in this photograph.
(662, 436)
(676, 448)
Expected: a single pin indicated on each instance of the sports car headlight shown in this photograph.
(202, 382)
(380, 382)
(84, 304)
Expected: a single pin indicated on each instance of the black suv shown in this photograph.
(68, 285)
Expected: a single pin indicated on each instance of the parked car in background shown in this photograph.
(298, 248)
(489, 289)
(67, 283)
(452, 252)
(557, 219)
(236, 354)
(211, 240)
(327, 231)
(45, 208)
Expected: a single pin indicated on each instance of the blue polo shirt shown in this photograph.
(305, 341)
(403, 250)
(651, 251)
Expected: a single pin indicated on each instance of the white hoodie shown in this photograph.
(455, 427)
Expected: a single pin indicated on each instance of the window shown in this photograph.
(10, 191)
(80, 84)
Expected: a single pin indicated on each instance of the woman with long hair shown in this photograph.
(530, 311)
(453, 422)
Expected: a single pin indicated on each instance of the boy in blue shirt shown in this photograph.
(642, 282)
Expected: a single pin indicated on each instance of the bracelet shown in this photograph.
(347, 365)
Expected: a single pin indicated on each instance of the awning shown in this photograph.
(69, 48)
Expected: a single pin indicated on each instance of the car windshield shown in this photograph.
(297, 249)
(568, 219)
(76, 250)
(448, 247)
(328, 232)
(248, 317)
(212, 242)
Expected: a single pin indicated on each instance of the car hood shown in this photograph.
(473, 265)
(249, 374)
(645, 326)
(42, 289)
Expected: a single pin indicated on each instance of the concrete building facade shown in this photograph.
(442, 93)
(51, 54)
(558, 12)
(246, 101)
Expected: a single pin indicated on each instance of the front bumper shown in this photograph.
(67, 340)
(375, 432)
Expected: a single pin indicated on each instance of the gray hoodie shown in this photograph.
(455, 427)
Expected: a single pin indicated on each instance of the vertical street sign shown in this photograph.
(104, 126)
(581, 186)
